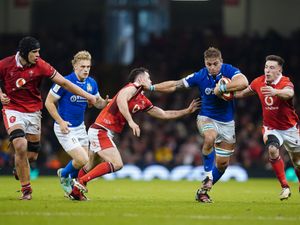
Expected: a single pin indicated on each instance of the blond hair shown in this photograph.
(212, 52)
(81, 55)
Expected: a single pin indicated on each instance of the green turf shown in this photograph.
(156, 202)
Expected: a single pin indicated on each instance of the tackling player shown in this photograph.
(21, 75)
(112, 119)
(280, 121)
(216, 117)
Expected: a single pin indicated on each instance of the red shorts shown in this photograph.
(100, 138)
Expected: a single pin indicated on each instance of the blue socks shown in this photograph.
(208, 161)
(69, 170)
(217, 174)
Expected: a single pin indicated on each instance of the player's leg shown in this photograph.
(273, 144)
(94, 160)
(102, 144)
(72, 145)
(292, 145)
(273, 140)
(209, 133)
(19, 142)
(224, 151)
(208, 130)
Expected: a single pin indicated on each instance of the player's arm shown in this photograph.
(167, 86)
(3, 98)
(122, 101)
(285, 93)
(173, 114)
(101, 102)
(51, 105)
(238, 83)
(244, 93)
(69, 86)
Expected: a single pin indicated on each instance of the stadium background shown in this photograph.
(169, 38)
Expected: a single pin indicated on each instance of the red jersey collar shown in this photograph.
(275, 81)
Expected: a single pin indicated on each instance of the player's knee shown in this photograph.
(209, 140)
(20, 145)
(34, 147)
(272, 145)
(117, 165)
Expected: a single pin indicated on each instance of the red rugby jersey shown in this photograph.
(111, 117)
(22, 84)
(278, 114)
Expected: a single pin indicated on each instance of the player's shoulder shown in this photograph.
(200, 74)
(8, 61)
(285, 78)
(228, 68)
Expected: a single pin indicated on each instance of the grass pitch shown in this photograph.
(156, 202)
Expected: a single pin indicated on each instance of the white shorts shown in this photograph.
(290, 138)
(77, 137)
(31, 122)
(225, 130)
(100, 138)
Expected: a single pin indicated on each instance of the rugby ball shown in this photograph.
(227, 96)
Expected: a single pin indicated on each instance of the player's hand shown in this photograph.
(107, 99)
(4, 99)
(135, 128)
(217, 90)
(145, 85)
(64, 127)
(195, 104)
(268, 91)
(91, 99)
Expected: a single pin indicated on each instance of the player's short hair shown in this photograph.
(135, 72)
(275, 58)
(81, 55)
(212, 52)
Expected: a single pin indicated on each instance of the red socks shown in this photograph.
(278, 167)
(100, 170)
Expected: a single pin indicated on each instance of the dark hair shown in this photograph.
(212, 52)
(26, 45)
(275, 58)
(135, 72)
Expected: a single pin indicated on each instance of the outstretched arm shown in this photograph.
(173, 114)
(244, 93)
(101, 102)
(167, 86)
(69, 86)
(122, 101)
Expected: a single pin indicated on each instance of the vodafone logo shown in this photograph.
(269, 101)
(20, 82)
(12, 119)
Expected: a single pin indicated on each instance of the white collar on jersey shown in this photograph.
(17, 58)
(277, 80)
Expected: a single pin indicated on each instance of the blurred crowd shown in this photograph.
(171, 55)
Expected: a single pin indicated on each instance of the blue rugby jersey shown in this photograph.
(72, 107)
(213, 106)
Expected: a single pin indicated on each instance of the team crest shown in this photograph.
(89, 87)
(12, 119)
(20, 82)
